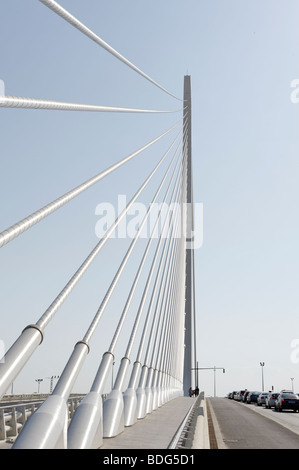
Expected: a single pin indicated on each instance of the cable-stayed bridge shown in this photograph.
(158, 360)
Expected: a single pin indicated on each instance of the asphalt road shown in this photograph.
(243, 427)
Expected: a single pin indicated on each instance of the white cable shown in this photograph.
(109, 292)
(18, 228)
(35, 103)
(50, 312)
(59, 10)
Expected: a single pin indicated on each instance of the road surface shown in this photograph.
(242, 426)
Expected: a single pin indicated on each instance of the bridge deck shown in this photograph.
(155, 431)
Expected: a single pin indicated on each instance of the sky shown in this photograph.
(242, 57)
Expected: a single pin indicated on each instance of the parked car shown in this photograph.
(287, 401)
(239, 395)
(252, 397)
(231, 395)
(270, 400)
(244, 398)
(261, 399)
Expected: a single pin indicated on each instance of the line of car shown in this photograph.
(283, 400)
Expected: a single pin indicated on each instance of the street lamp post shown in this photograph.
(214, 381)
(292, 379)
(214, 369)
(52, 381)
(38, 384)
(262, 366)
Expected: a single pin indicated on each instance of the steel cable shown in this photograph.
(63, 13)
(36, 103)
(18, 228)
(64, 385)
(109, 292)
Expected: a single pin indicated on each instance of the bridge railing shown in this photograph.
(13, 417)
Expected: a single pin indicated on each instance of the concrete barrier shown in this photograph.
(201, 435)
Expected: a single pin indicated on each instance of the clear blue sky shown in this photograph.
(242, 56)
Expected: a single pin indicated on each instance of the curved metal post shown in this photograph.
(88, 415)
(130, 397)
(155, 389)
(37, 434)
(47, 427)
(86, 428)
(159, 388)
(148, 392)
(164, 388)
(140, 393)
(17, 356)
(113, 410)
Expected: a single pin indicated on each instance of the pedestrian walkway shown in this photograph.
(156, 430)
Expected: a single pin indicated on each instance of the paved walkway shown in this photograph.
(156, 430)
